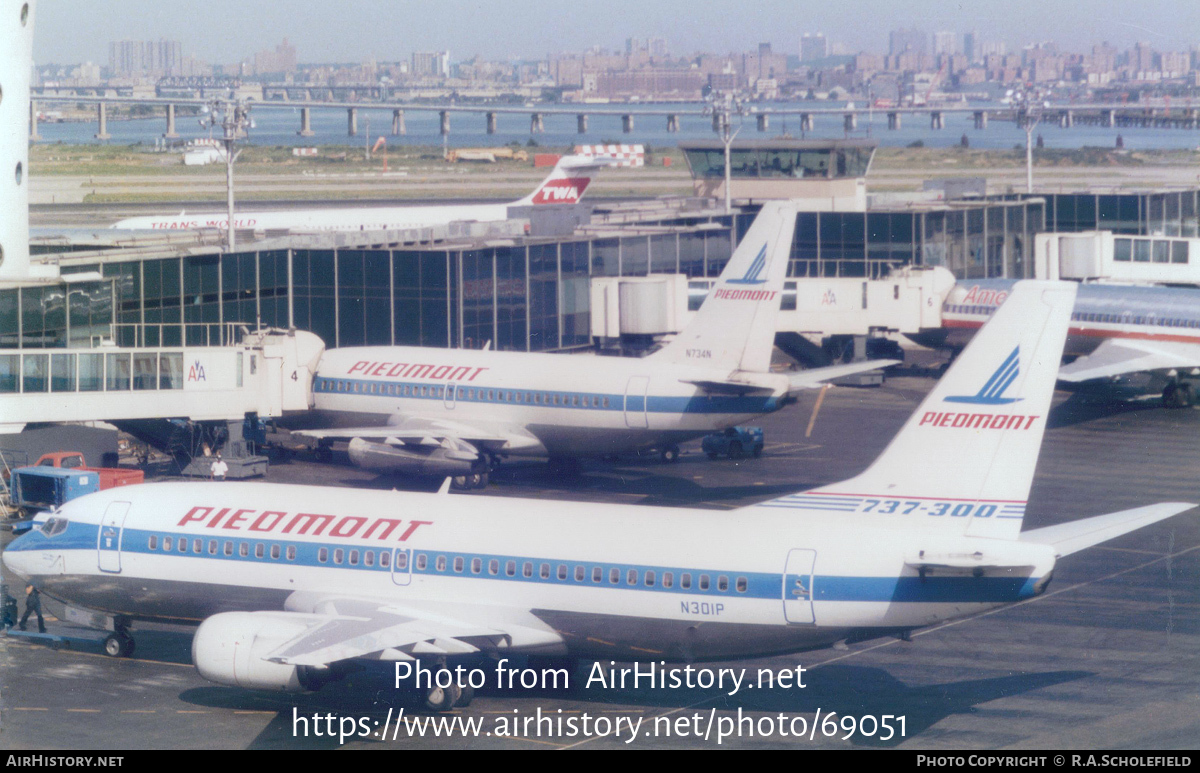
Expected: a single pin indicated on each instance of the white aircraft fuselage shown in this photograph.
(579, 405)
(623, 582)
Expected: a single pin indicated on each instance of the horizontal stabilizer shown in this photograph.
(1117, 358)
(814, 378)
(1068, 538)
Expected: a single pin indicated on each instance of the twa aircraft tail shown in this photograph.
(735, 327)
(967, 455)
(566, 183)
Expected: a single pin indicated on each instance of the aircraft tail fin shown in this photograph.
(566, 183)
(968, 454)
(735, 326)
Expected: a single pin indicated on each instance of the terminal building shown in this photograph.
(469, 284)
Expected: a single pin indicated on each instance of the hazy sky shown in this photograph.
(226, 31)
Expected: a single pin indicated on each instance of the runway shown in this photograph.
(1108, 657)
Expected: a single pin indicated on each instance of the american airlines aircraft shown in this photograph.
(293, 585)
(1116, 330)
(566, 184)
(457, 411)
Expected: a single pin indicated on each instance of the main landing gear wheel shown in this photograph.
(119, 645)
(670, 454)
(442, 698)
(1177, 395)
(461, 482)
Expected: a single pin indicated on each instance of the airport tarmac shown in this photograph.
(1107, 658)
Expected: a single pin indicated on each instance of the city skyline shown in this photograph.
(72, 32)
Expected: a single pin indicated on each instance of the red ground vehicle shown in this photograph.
(110, 477)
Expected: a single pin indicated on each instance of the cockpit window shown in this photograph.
(54, 526)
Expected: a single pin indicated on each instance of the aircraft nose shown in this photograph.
(16, 560)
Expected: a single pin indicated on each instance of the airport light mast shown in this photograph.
(1028, 104)
(723, 107)
(233, 116)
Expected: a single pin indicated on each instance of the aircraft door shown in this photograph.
(108, 544)
(635, 402)
(798, 587)
(402, 566)
(451, 396)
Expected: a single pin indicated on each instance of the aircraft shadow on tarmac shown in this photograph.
(1083, 407)
(847, 691)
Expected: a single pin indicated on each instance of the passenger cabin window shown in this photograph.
(323, 555)
(685, 580)
(259, 550)
(476, 565)
(385, 559)
(510, 568)
(168, 543)
(458, 563)
(493, 567)
(153, 542)
(353, 558)
(668, 579)
(527, 569)
(291, 553)
(441, 563)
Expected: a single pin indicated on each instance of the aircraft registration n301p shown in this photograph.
(457, 412)
(292, 584)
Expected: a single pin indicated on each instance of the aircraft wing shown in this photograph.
(1071, 537)
(361, 628)
(1115, 357)
(816, 377)
(417, 430)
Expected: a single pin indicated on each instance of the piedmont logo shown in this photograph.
(993, 390)
(755, 270)
(566, 190)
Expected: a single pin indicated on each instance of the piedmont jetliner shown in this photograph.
(1116, 330)
(294, 584)
(456, 412)
(566, 184)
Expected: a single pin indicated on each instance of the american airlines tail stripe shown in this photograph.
(546, 570)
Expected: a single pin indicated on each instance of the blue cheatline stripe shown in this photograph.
(693, 404)
(759, 585)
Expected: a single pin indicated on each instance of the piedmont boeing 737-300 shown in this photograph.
(456, 412)
(566, 184)
(293, 585)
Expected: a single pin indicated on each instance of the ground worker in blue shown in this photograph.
(33, 606)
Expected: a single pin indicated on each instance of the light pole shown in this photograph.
(233, 117)
(723, 107)
(1028, 103)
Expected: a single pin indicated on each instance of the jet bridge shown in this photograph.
(627, 311)
(252, 374)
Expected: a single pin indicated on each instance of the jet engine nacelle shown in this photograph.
(229, 649)
(450, 457)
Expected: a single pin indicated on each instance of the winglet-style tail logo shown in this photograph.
(754, 271)
(993, 390)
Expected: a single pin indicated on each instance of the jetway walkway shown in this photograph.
(258, 374)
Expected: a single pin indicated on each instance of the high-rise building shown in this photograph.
(431, 64)
(133, 58)
(945, 43)
(813, 47)
(968, 45)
